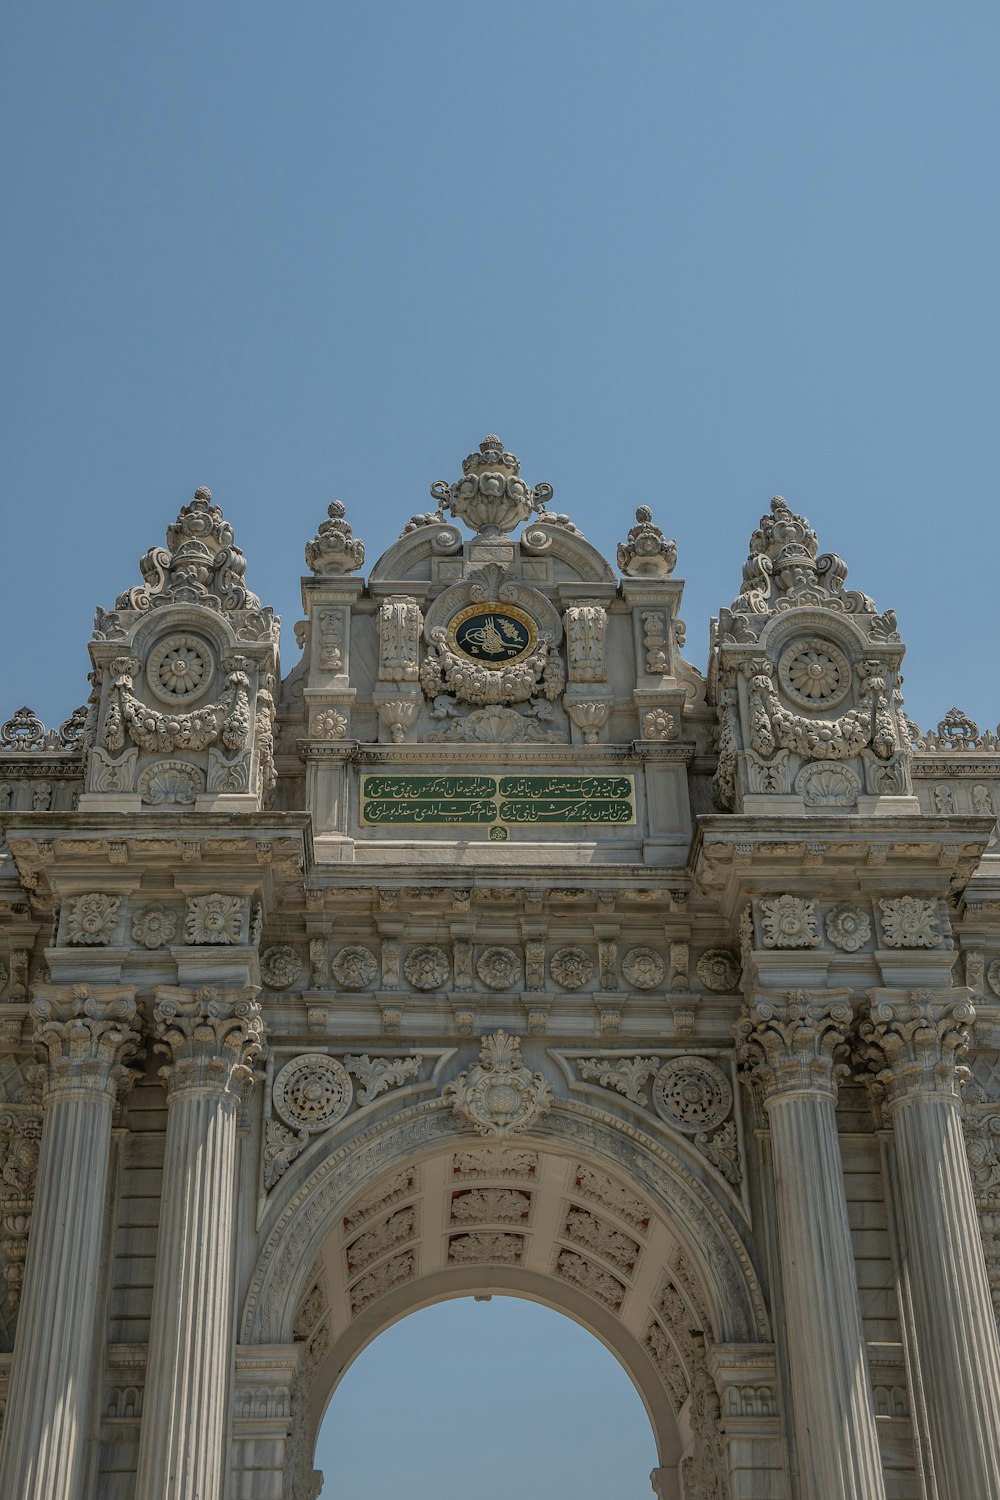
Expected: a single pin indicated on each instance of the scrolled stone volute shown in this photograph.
(212, 1039)
(796, 1043)
(88, 1038)
(913, 1043)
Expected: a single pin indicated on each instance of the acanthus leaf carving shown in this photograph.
(626, 1074)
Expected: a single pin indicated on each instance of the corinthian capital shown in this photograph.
(796, 1042)
(913, 1041)
(89, 1036)
(212, 1038)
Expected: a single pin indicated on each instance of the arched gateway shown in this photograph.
(494, 948)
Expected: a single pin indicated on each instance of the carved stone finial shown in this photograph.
(334, 550)
(499, 1096)
(200, 564)
(784, 572)
(797, 1043)
(212, 1039)
(913, 1042)
(490, 497)
(89, 1036)
(646, 554)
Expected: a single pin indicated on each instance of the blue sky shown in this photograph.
(683, 254)
(690, 254)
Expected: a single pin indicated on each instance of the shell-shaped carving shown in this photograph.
(167, 781)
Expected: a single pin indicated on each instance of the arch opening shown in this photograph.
(498, 1394)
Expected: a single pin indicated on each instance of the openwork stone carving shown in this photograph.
(333, 551)
(499, 969)
(179, 668)
(646, 554)
(719, 970)
(626, 1074)
(788, 922)
(499, 1095)
(215, 919)
(427, 967)
(848, 928)
(280, 967)
(692, 1094)
(313, 1092)
(910, 922)
(490, 497)
(24, 730)
(92, 919)
(154, 926)
(814, 673)
(643, 968)
(572, 968)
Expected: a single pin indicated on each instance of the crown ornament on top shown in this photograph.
(334, 549)
(783, 571)
(490, 497)
(199, 565)
(647, 553)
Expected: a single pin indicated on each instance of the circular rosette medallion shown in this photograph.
(643, 968)
(179, 668)
(427, 968)
(313, 1092)
(493, 634)
(280, 967)
(814, 673)
(355, 968)
(692, 1094)
(499, 969)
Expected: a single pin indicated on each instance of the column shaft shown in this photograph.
(831, 1392)
(952, 1312)
(52, 1377)
(182, 1448)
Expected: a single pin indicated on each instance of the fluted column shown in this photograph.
(793, 1048)
(88, 1036)
(913, 1042)
(212, 1040)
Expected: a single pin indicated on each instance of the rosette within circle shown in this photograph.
(814, 673)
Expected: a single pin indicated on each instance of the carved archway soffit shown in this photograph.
(314, 1193)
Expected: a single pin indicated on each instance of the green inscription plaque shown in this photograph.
(497, 800)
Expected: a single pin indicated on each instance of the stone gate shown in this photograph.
(496, 948)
